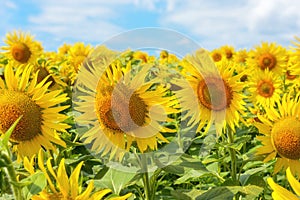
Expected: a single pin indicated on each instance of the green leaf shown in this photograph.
(4, 142)
(35, 184)
(115, 180)
(228, 192)
(256, 180)
(187, 194)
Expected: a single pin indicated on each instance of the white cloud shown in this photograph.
(89, 21)
(241, 23)
(213, 23)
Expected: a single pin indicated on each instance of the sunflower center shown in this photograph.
(216, 57)
(122, 112)
(267, 61)
(21, 52)
(14, 104)
(265, 88)
(286, 138)
(229, 54)
(214, 94)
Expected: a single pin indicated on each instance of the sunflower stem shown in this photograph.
(232, 155)
(12, 176)
(146, 180)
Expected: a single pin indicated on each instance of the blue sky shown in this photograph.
(243, 23)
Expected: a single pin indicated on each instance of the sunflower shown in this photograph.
(281, 193)
(268, 56)
(228, 52)
(211, 94)
(77, 54)
(264, 88)
(40, 121)
(46, 68)
(143, 56)
(64, 49)
(64, 187)
(281, 135)
(22, 48)
(216, 55)
(241, 56)
(292, 74)
(167, 58)
(123, 108)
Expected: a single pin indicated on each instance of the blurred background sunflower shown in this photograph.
(269, 56)
(22, 48)
(264, 88)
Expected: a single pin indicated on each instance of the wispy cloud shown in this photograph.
(241, 23)
(90, 21)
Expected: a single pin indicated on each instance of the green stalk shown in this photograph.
(146, 181)
(12, 176)
(232, 155)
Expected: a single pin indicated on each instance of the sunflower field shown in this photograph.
(89, 122)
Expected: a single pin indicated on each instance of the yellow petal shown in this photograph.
(74, 180)
(293, 181)
(62, 178)
(280, 193)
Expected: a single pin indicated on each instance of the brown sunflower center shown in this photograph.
(229, 54)
(124, 111)
(286, 138)
(265, 88)
(214, 93)
(216, 57)
(267, 61)
(14, 104)
(21, 52)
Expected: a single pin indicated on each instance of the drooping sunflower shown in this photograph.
(292, 74)
(47, 68)
(211, 94)
(281, 135)
(280, 193)
(22, 48)
(123, 109)
(61, 186)
(41, 120)
(268, 56)
(264, 88)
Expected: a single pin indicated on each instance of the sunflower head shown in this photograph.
(22, 96)
(228, 51)
(22, 48)
(214, 93)
(77, 54)
(216, 55)
(268, 56)
(286, 138)
(14, 104)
